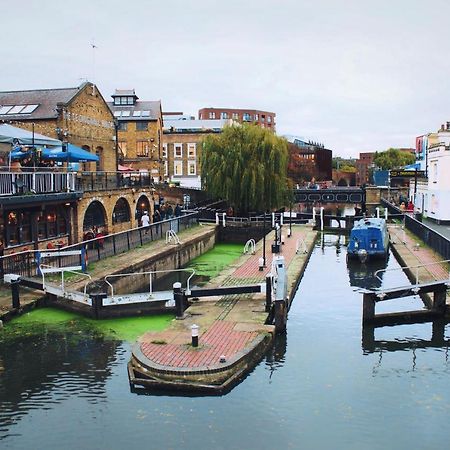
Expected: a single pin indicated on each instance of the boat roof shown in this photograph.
(369, 222)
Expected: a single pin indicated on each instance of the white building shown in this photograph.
(433, 196)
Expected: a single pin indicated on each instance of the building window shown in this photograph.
(263, 118)
(178, 168)
(166, 168)
(212, 115)
(121, 213)
(247, 117)
(235, 116)
(122, 126)
(177, 150)
(164, 151)
(141, 126)
(192, 168)
(224, 115)
(256, 117)
(192, 150)
(269, 119)
(18, 228)
(124, 100)
(142, 149)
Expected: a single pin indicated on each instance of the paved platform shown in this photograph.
(231, 327)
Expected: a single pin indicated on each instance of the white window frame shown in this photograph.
(177, 146)
(212, 115)
(192, 145)
(194, 165)
(166, 168)
(164, 151)
(175, 165)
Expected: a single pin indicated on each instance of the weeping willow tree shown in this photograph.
(247, 165)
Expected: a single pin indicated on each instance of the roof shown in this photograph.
(139, 111)
(194, 125)
(124, 93)
(47, 101)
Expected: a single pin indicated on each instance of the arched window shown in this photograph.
(121, 211)
(142, 205)
(94, 216)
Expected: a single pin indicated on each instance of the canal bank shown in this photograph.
(233, 329)
(154, 256)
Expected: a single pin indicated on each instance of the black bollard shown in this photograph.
(179, 300)
(194, 335)
(15, 295)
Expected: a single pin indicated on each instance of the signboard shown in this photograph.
(407, 173)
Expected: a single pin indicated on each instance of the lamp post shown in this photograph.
(264, 241)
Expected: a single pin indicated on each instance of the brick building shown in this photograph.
(308, 160)
(182, 147)
(363, 164)
(139, 131)
(264, 119)
(78, 115)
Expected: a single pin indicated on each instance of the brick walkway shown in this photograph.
(224, 336)
(415, 252)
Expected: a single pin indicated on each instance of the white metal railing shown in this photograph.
(12, 183)
(170, 234)
(150, 274)
(62, 270)
(417, 268)
(250, 245)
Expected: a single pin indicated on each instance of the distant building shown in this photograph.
(363, 164)
(139, 131)
(182, 148)
(432, 194)
(308, 160)
(264, 119)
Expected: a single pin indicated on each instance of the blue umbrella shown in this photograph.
(68, 153)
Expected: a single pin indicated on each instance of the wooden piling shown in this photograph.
(368, 307)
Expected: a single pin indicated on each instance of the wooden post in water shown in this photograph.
(439, 299)
(280, 310)
(268, 293)
(97, 303)
(368, 307)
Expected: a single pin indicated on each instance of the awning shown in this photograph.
(125, 168)
(68, 153)
(12, 135)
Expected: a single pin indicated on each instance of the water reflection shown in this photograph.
(362, 275)
(276, 355)
(41, 370)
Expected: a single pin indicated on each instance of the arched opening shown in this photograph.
(142, 205)
(121, 213)
(99, 163)
(342, 182)
(94, 219)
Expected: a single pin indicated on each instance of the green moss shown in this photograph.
(215, 260)
(42, 320)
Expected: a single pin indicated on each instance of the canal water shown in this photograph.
(320, 387)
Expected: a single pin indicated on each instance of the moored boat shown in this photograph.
(369, 239)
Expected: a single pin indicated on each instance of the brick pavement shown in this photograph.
(222, 336)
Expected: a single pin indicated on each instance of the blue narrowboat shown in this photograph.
(369, 239)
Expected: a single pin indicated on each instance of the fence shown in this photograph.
(24, 263)
(12, 183)
(432, 238)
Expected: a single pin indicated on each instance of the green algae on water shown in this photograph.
(44, 320)
(211, 263)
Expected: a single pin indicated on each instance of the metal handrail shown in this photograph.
(417, 267)
(150, 273)
(62, 276)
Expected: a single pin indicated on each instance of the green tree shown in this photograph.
(393, 158)
(247, 165)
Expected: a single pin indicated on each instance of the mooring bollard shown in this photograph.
(194, 335)
(179, 300)
(261, 264)
(15, 294)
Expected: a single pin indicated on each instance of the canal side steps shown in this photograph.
(233, 330)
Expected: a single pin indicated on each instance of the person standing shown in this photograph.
(145, 221)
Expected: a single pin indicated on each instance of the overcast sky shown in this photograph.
(357, 75)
